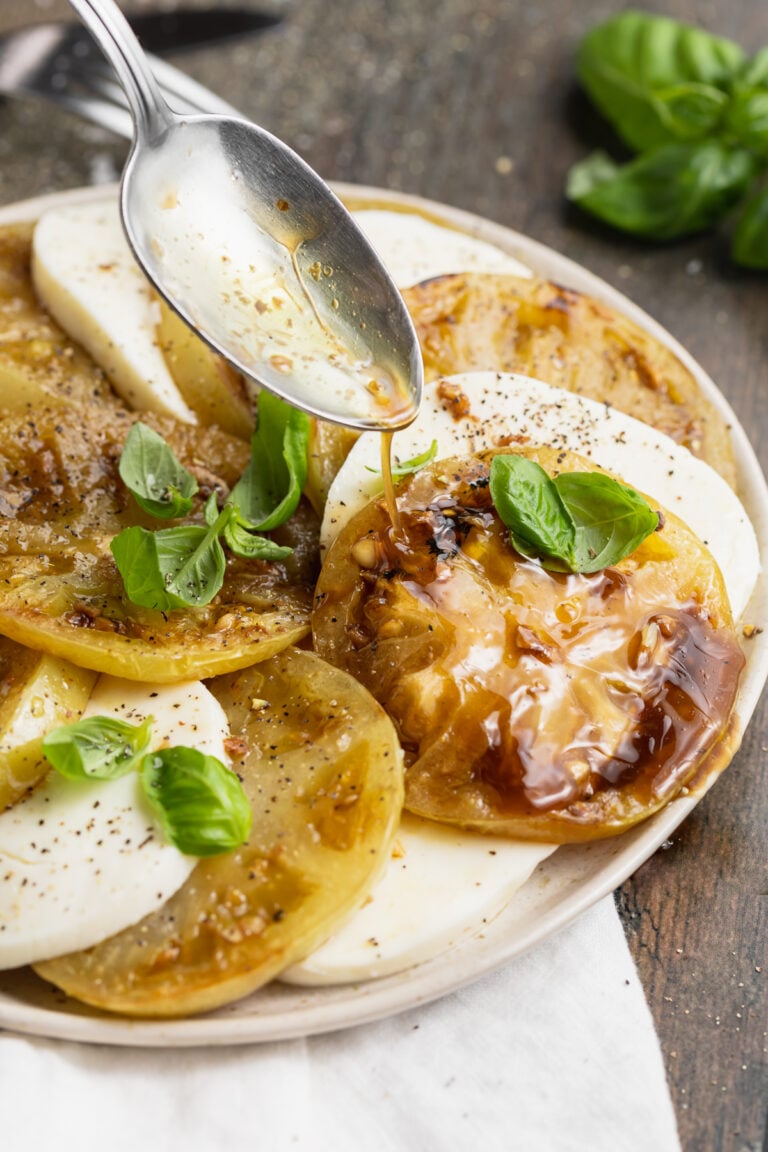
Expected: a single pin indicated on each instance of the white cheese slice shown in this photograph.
(441, 886)
(415, 249)
(85, 275)
(81, 861)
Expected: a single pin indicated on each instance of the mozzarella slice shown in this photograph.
(415, 249)
(81, 861)
(86, 276)
(504, 406)
(441, 886)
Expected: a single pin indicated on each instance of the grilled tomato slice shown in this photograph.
(61, 503)
(531, 703)
(321, 766)
(39, 364)
(477, 321)
(37, 693)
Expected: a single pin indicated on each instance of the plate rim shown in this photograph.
(319, 1010)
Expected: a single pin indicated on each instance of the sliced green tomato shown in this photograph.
(73, 606)
(37, 693)
(539, 705)
(38, 362)
(212, 389)
(61, 502)
(321, 766)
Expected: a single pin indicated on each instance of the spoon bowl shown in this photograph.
(253, 250)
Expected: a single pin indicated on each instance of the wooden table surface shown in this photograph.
(473, 103)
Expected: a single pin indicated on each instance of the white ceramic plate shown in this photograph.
(560, 889)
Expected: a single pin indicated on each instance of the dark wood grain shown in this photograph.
(472, 102)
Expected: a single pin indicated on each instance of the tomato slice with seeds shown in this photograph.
(535, 704)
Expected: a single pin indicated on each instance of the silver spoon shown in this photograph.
(253, 250)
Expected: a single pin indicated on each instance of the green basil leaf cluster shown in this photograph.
(574, 522)
(695, 109)
(184, 566)
(199, 802)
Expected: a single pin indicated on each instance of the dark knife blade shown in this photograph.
(185, 28)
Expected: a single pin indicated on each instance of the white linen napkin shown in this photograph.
(556, 1052)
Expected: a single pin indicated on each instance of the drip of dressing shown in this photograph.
(389, 486)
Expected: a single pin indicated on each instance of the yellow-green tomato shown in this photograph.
(37, 693)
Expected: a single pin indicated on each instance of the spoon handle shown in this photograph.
(114, 35)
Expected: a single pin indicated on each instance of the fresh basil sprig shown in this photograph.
(184, 566)
(696, 110)
(750, 239)
(574, 522)
(199, 802)
(657, 80)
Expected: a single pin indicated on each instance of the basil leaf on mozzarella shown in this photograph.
(97, 748)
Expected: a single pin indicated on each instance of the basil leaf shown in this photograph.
(269, 490)
(628, 64)
(690, 111)
(173, 568)
(251, 546)
(611, 520)
(415, 463)
(530, 505)
(749, 246)
(754, 72)
(576, 522)
(673, 191)
(199, 801)
(159, 483)
(98, 748)
(748, 119)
